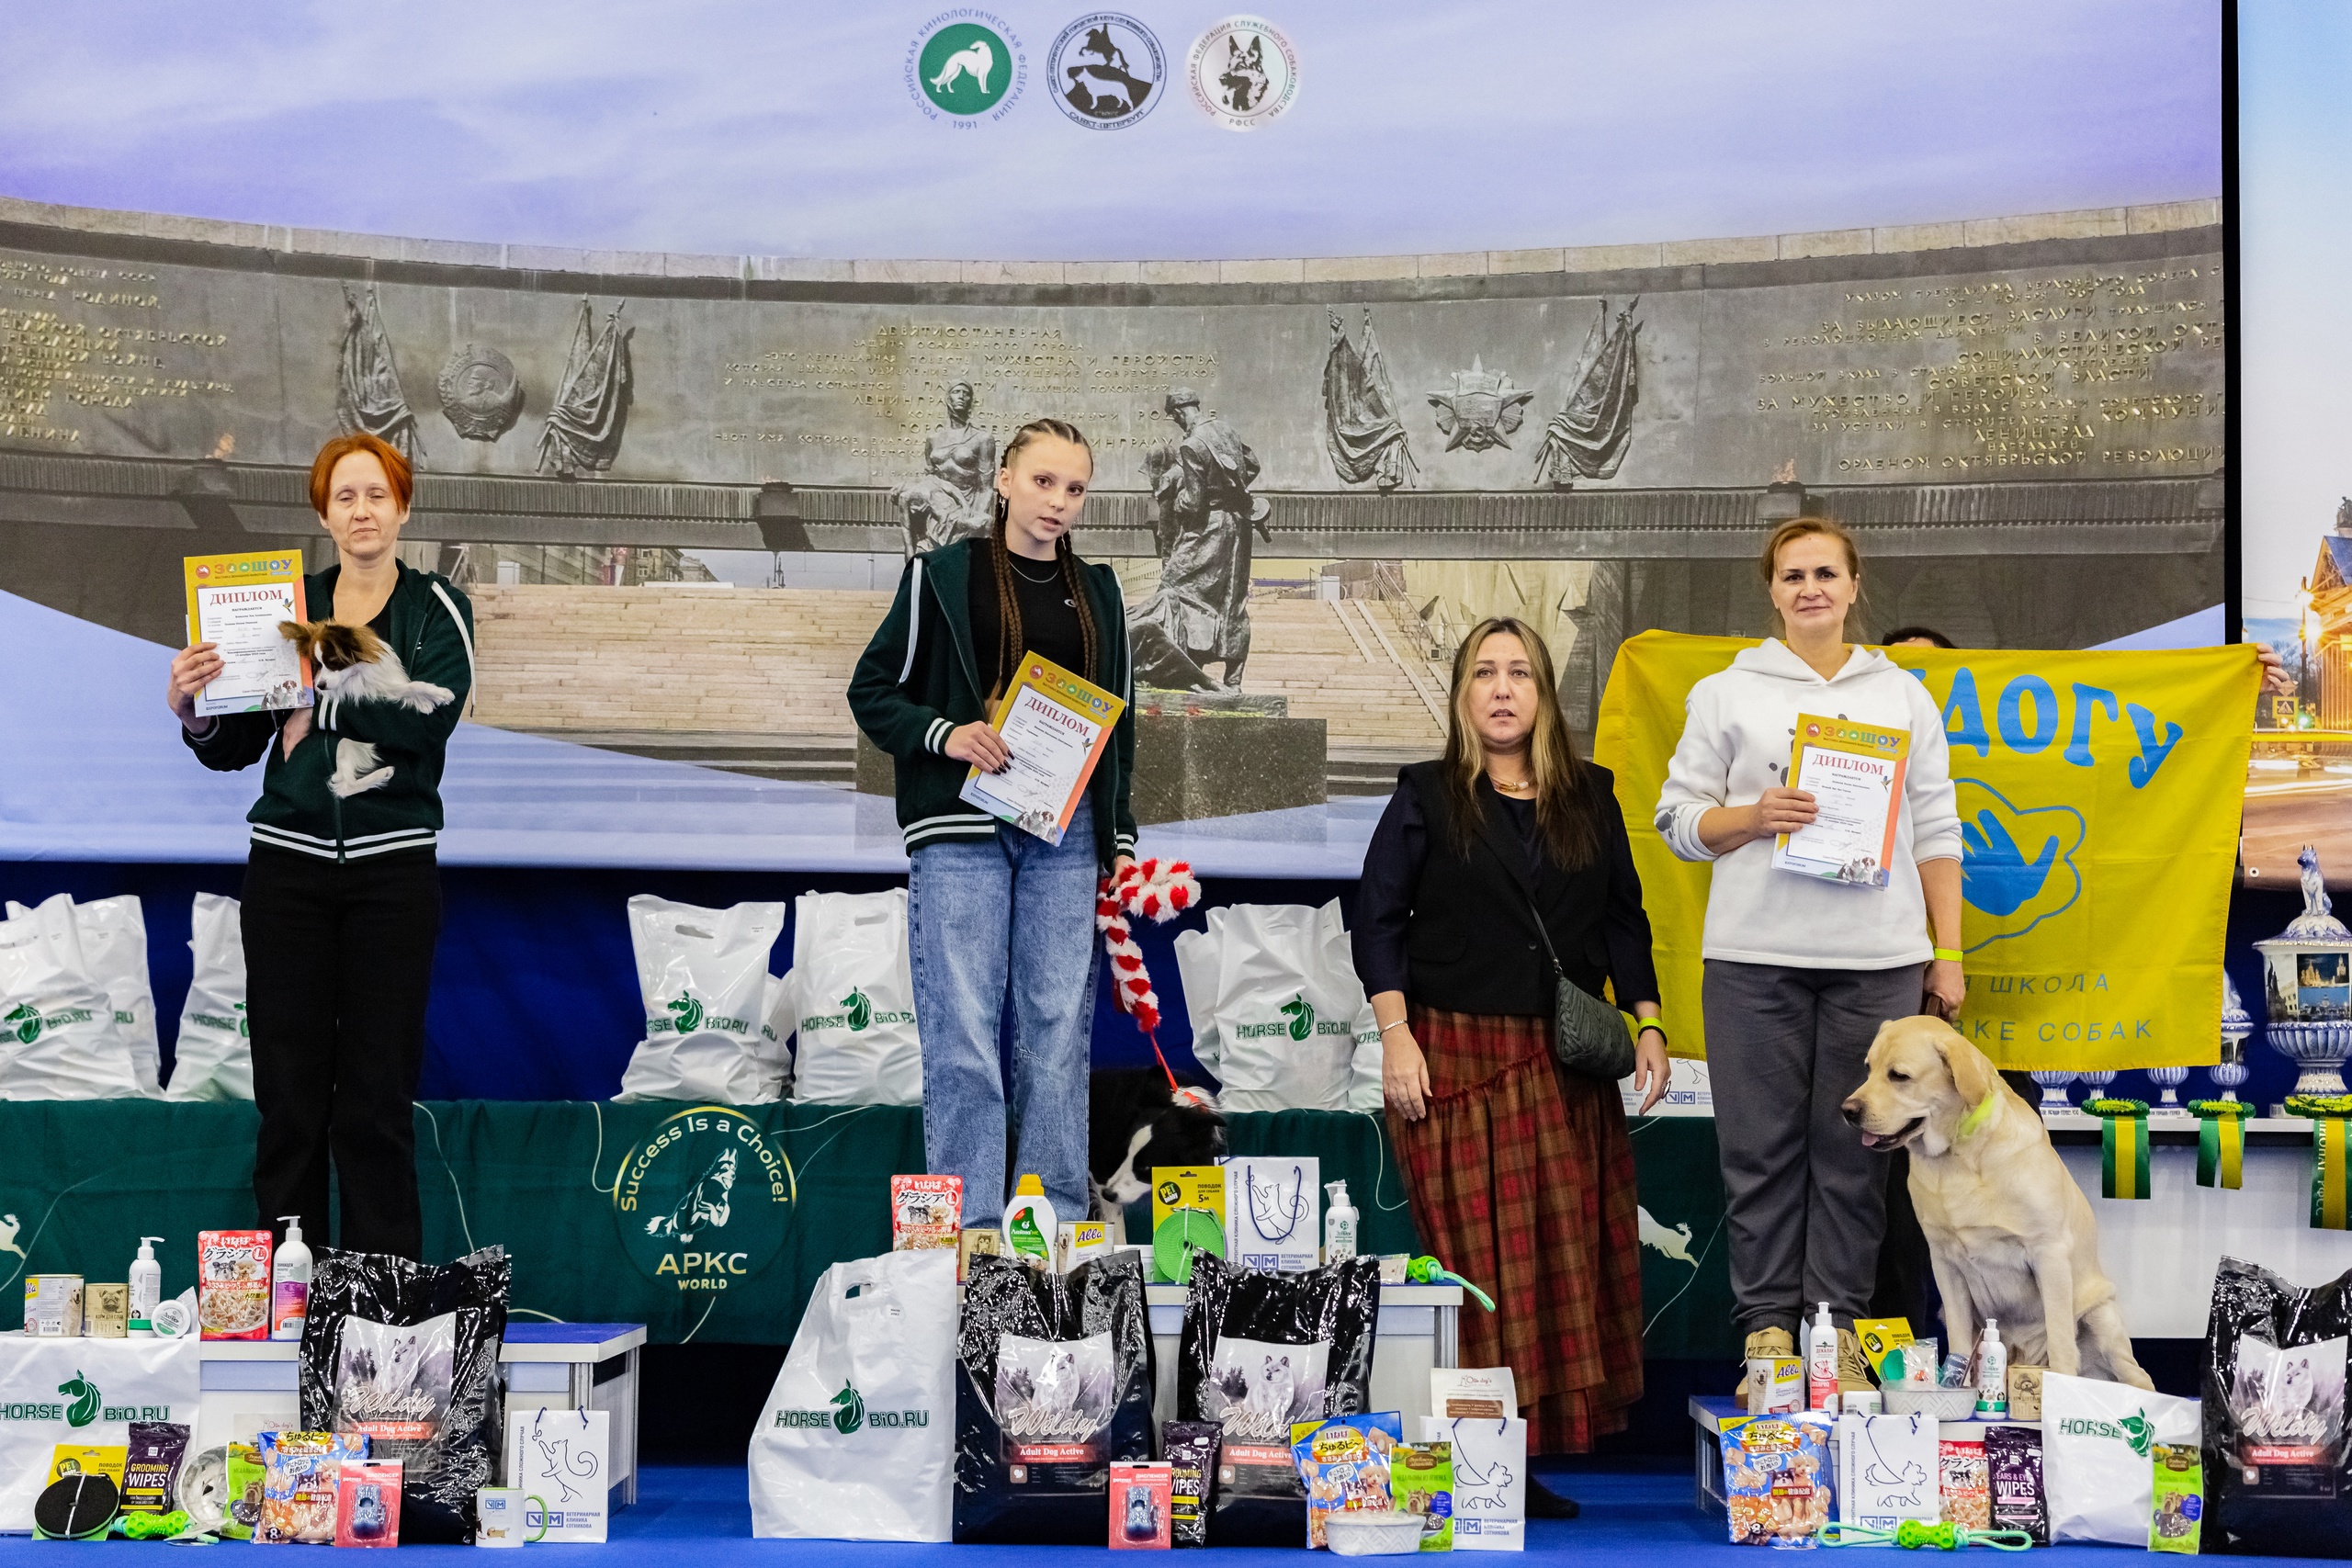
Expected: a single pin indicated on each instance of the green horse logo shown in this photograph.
(85, 1398)
(851, 1414)
(26, 1017)
(689, 1013)
(861, 1011)
(1302, 1017)
(2140, 1431)
(243, 1031)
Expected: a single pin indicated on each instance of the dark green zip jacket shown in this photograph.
(918, 682)
(433, 634)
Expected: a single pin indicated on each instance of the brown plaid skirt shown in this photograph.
(1521, 1181)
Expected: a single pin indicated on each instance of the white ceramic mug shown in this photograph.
(499, 1517)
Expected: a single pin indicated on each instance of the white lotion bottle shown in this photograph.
(1821, 1362)
(1339, 1224)
(1992, 1372)
(146, 1289)
(1030, 1225)
(290, 1293)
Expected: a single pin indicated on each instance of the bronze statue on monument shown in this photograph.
(1203, 511)
(955, 499)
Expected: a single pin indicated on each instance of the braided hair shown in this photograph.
(1009, 640)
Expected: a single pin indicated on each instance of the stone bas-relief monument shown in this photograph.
(2024, 435)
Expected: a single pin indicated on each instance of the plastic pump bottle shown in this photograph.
(1339, 1224)
(290, 1296)
(146, 1289)
(1992, 1372)
(1821, 1362)
(1029, 1224)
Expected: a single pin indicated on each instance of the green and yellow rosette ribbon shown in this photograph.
(2221, 1141)
(2330, 1163)
(2122, 1146)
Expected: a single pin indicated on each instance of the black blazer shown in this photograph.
(1456, 932)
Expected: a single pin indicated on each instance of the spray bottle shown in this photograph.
(1030, 1226)
(290, 1296)
(146, 1288)
(1821, 1362)
(1339, 1224)
(1992, 1372)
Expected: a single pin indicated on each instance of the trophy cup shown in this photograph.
(2236, 1024)
(2170, 1079)
(2054, 1091)
(2307, 988)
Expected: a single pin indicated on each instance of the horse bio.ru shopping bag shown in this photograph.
(704, 976)
(858, 1438)
(2098, 1439)
(82, 1391)
(860, 1041)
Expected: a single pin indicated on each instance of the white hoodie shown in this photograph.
(1735, 745)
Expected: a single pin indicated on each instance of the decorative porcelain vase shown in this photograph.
(2236, 1024)
(2307, 988)
(2054, 1091)
(2170, 1079)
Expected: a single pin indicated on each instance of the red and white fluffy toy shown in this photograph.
(1155, 890)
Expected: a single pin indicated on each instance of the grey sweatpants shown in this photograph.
(1807, 1202)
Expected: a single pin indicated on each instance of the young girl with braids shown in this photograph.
(990, 908)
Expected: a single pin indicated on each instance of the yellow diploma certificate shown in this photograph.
(1055, 725)
(235, 603)
(1854, 772)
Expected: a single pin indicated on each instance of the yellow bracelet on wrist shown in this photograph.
(1948, 956)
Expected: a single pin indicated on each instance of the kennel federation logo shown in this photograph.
(1244, 73)
(703, 1201)
(966, 65)
(1106, 70)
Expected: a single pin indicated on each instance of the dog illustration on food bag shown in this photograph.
(2009, 1235)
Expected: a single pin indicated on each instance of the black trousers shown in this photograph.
(338, 961)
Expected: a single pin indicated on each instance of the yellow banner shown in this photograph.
(2100, 797)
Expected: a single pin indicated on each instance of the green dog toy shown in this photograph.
(1430, 1271)
(1917, 1533)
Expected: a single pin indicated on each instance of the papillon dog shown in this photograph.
(354, 665)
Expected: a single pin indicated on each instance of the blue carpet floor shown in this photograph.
(701, 1517)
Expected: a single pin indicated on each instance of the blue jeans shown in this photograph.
(980, 916)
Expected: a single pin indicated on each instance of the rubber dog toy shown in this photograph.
(1916, 1533)
(1430, 1271)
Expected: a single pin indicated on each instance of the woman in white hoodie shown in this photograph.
(1800, 971)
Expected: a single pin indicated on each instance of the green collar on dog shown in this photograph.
(1978, 1114)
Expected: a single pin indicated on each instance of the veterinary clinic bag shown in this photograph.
(1489, 1479)
(858, 1441)
(113, 932)
(85, 1391)
(859, 1041)
(2277, 1476)
(214, 1060)
(1053, 1384)
(2097, 1439)
(704, 977)
(562, 1460)
(58, 1039)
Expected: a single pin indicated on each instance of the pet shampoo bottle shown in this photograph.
(1029, 1224)
(290, 1294)
(146, 1289)
(1992, 1372)
(1339, 1224)
(1821, 1362)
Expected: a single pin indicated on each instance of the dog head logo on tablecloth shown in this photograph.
(704, 1199)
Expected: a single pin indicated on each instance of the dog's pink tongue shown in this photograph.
(1873, 1140)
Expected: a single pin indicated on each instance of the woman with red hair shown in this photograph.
(342, 899)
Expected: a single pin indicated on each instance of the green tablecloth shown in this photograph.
(703, 1223)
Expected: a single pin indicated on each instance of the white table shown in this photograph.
(1418, 1328)
(250, 1385)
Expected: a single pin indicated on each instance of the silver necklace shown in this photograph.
(1014, 562)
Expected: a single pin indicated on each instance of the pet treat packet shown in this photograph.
(368, 1502)
(150, 1471)
(1963, 1489)
(1344, 1463)
(302, 1474)
(246, 1477)
(2180, 1497)
(1191, 1448)
(2013, 1468)
(1421, 1480)
(1777, 1480)
(233, 1283)
(925, 1211)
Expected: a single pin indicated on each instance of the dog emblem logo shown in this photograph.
(1301, 1013)
(702, 1200)
(1243, 73)
(1106, 69)
(1482, 410)
(966, 63)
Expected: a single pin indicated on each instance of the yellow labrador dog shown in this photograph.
(2010, 1235)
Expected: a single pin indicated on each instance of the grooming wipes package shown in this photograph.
(1271, 1212)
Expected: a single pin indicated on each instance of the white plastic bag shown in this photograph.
(1287, 1013)
(779, 1005)
(704, 976)
(2097, 1471)
(859, 1042)
(214, 1060)
(858, 1438)
(58, 1039)
(114, 945)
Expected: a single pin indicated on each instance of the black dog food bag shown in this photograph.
(408, 1354)
(1053, 1381)
(2276, 1477)
(1261, 1351)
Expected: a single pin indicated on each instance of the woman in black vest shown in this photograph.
(1520, 1175)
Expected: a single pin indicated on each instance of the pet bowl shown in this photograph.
(1943, 1403)
(1367, 1532)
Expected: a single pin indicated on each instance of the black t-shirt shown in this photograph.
(1048, 619)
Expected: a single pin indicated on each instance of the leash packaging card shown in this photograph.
(1140, 1502)
(1271, 1212)
(1187, 1211)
